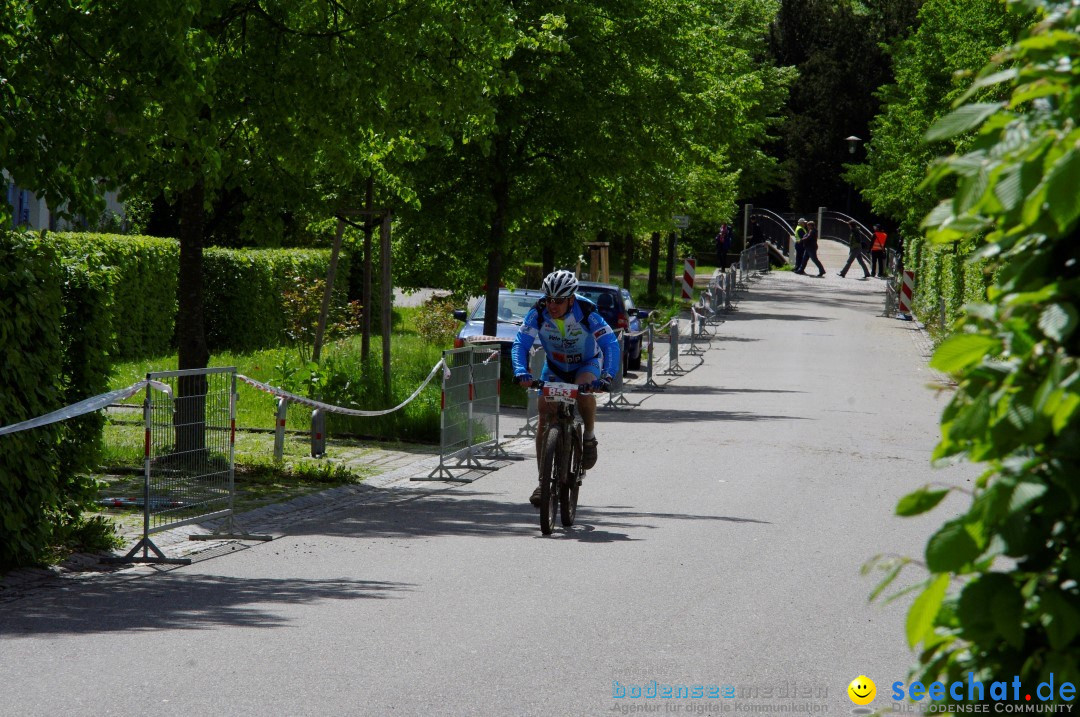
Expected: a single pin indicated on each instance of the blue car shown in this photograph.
(513, 306)
(617, 308)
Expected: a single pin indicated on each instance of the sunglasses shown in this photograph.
(558, 301)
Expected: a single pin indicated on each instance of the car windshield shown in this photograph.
(512, 308)
(628, 300)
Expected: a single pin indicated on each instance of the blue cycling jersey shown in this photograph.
(569, 344)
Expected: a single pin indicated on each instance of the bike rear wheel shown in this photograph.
(568, 487)
(550, 472)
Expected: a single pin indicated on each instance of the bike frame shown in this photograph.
(560, 463)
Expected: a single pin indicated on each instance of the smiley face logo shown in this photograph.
(862, 690)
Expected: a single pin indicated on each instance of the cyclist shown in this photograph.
(575, 337)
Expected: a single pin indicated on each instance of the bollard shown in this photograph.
(649, 383)
(279, 429)
(695, 320)
(673, 352)
(890, 300)
(318, 433)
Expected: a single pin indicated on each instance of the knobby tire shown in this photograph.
(568, 489)
(549, 475)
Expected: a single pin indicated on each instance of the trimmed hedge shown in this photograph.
(30, 330)
(243, 291)
(87, 295)
(944, 271)
(55, 335)
(143, 287)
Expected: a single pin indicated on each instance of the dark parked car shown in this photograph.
(513, 306)
(614, 306)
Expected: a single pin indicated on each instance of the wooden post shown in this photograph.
(384, 234)
(598, 261)
(331, 274)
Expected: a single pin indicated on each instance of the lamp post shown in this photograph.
(852, 143)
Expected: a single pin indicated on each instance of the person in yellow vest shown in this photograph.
(800, 247)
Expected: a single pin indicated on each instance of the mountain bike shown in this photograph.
(560, 465)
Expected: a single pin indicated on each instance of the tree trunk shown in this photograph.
(369, 225)
(328, 291)
(548, 260)
(190, 416)
(628, 260)
(654, 263)
(387, 304)
(669, 270)
(500, 193)
(495, 260)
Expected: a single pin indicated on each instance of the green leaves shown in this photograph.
(952, 547)
(961, 120)
(1058, 321)
(1060, 618)
(991, 608)
(1016, 365)
(1061, 190)
(963, 351)
(920, 501)
(920, 619)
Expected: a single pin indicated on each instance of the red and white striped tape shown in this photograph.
(281, 393)
(87, 405)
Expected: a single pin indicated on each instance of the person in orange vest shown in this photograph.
(877, 253)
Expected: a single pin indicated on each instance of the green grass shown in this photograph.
(342, 379)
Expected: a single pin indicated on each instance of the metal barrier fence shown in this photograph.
(537, 357)
(469, 419)
(754, 259)
(189, 469)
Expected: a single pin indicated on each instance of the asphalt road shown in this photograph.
(719, 544)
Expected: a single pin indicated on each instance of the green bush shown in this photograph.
(30, 331)
(244, 292)
(1002, 597)
(944, 272)
(435, 322)
(143, 287)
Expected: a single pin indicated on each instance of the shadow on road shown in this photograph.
(648, 415)
(180, 600)
(456, 513)
(675, 388)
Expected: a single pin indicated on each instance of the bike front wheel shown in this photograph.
(568, 486)
(549, 476)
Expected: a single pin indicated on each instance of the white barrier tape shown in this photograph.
(87, 405)
(280, 393)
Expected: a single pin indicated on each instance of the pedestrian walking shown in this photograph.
(800, 247)
(810, 250)
(855, 250)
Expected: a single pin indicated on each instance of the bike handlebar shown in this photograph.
(582, 387)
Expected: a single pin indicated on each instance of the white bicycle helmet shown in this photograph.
(560, 283)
